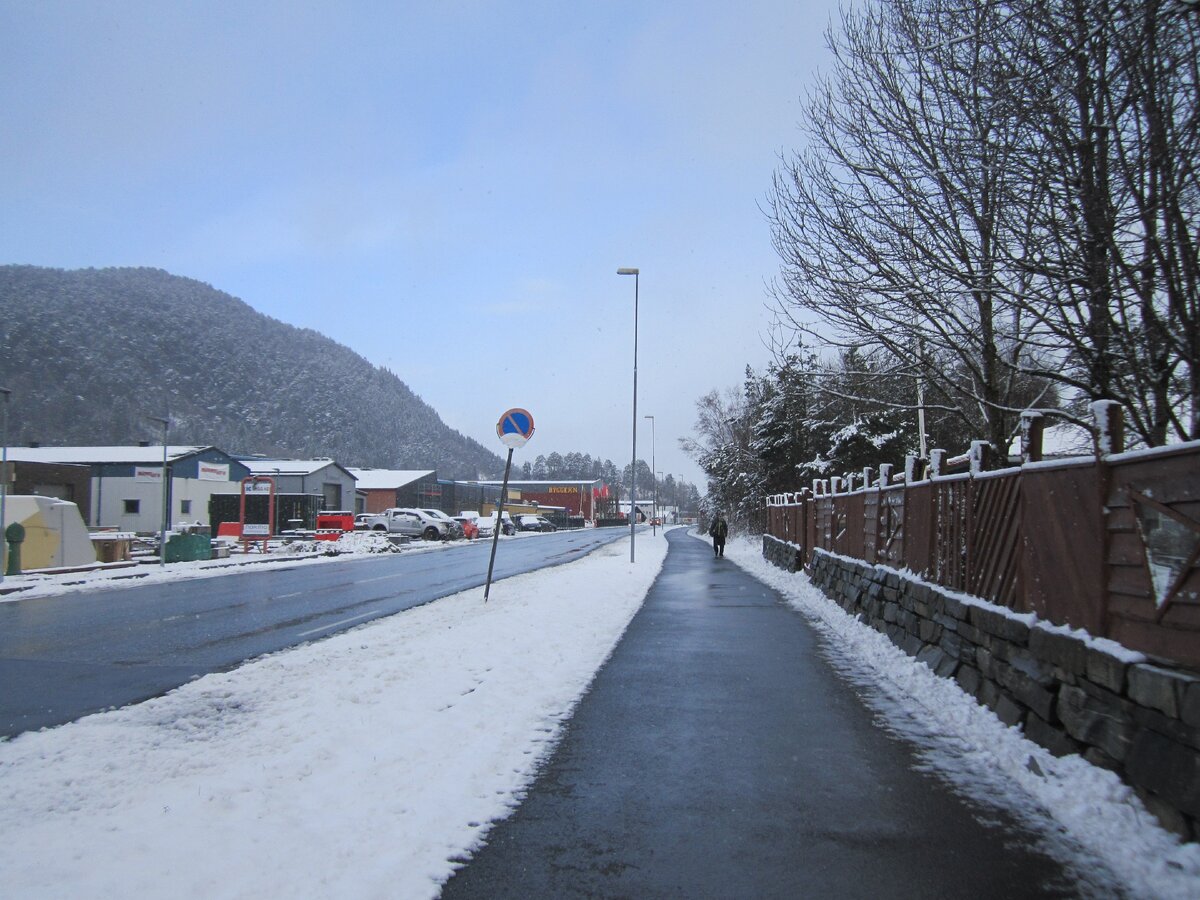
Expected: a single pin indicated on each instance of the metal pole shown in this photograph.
(633, 466)
(4, 394)
(166, 511)
(499, 524)
(657, 510)
(653, 469)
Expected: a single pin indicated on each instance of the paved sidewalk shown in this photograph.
(717, 755)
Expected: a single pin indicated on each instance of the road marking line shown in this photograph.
(381, 578)
(336, 624)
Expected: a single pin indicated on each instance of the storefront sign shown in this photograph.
(213, 471)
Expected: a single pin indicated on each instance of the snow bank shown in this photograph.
(1089, 819)
(359, 766)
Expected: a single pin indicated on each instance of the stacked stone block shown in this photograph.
(1139, 719)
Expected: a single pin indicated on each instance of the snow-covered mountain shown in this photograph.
(90, 354)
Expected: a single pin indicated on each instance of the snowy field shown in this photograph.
(366, 764)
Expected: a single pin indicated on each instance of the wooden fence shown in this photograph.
(1108, 543)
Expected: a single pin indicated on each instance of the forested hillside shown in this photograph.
(89, 354)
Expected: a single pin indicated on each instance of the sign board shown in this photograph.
(213, 471)
(254, 488)
(147, 473)
(515, 428)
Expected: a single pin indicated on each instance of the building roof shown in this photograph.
(95, 455)
(388, 479)
(290, 466)
(571, 482)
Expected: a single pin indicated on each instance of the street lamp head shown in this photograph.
(627, 271)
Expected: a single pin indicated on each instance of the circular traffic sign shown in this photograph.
(515, 428)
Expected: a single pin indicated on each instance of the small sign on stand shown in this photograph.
(514, 429)
(255, 487)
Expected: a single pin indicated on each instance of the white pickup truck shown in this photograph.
(403, 521)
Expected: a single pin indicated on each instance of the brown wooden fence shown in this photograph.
(1109, 543)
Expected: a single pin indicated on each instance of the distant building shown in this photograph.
(380, 489)
(334, 483)
(577, 496)
(125, 490)
(63, 481)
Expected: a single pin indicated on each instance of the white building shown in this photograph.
(127, 482)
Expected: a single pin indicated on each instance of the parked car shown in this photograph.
(361, 520)
(435, 528)
(470, 529)
(510, 527)
(483, 523)
(535, 523)
(397, 521)
(454, 526)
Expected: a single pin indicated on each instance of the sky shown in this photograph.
(363, 764)
(446, 188)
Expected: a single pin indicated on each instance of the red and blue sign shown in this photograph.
(515, 428)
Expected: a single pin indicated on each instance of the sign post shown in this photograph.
(514, 429)
(256, 486)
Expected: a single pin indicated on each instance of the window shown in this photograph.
(333, 495)
(185, 507)
(133, 507)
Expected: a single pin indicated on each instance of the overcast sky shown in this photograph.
(446, 188)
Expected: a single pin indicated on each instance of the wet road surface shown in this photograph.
(67, 656)
(717, 755)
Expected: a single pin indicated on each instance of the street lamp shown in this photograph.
(633, 465)
(5, 393)
(654, 514)
(166, 511)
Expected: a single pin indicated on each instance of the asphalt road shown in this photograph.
(717, 755)
(65, 657)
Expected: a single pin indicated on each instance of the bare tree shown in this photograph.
(1109, 189)
(1002, 196)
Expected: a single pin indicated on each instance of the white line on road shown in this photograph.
(381, 578)
(336, 624)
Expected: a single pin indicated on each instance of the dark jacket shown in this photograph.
(719, 528)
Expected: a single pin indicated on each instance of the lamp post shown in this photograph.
(5, 393)
(633, 465)
(658, 512)
(166, 511)
(654, 512)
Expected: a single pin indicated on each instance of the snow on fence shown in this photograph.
(1108, 542)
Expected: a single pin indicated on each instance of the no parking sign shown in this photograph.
(515, 428)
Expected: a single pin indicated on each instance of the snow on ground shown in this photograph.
(1089, 818)
(351, 544)
(363, 765)
(359, 766)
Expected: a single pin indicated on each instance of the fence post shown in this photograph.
(1032, 426)
(1110, 427)
(981, 456)
(885, 474)
(1110, 438)
(937, 459)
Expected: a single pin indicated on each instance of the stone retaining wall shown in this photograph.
(1068, 694)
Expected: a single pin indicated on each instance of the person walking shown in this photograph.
(719, 529)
